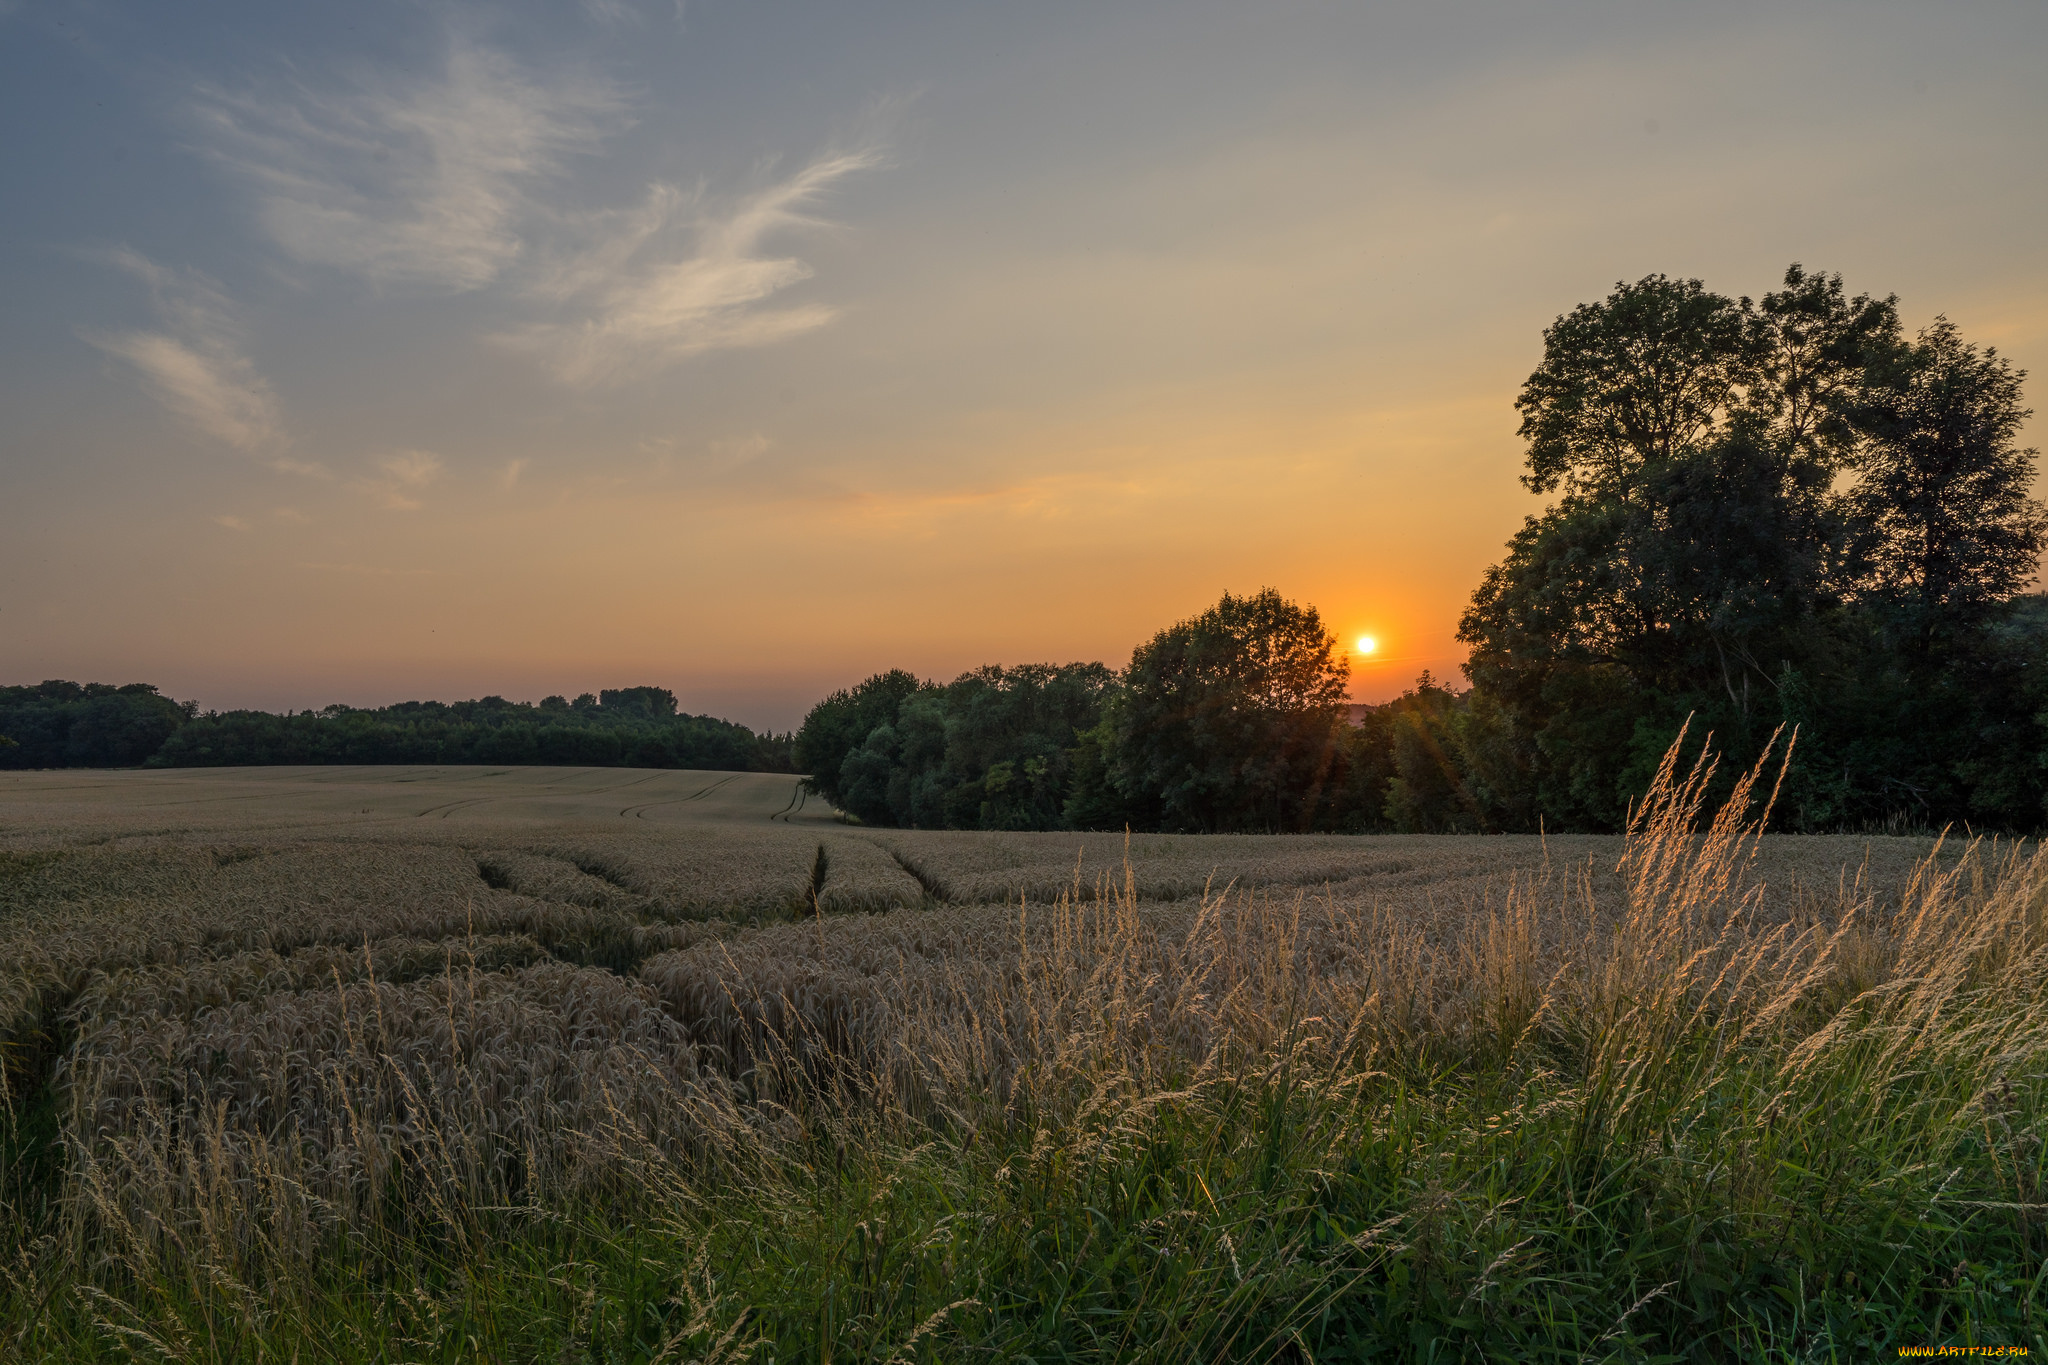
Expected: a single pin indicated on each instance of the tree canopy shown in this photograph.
(59, 724)
(1766, 513)
(1230, 720)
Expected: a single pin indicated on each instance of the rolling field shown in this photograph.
(601, 1064)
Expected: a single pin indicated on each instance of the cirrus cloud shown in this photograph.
(670, 279)
(196, 365)
(424, 181)
(401, 477)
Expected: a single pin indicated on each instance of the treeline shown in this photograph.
(86, 725)
(62, 724)
(1767, 516)
(1235, 720)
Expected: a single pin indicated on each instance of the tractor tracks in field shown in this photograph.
(640, 811)
(936, 890)
(448, 808)
(797, 797)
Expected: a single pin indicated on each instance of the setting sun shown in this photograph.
(1366, 644)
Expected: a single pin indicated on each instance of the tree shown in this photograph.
(1693, 441)
(1427, 793)
(1814, 345)
(640, 703)
(1613, 618)
(1689, 435)
(1944, 538)
(1946, 525)
(1641, 377)
(842, 722)
(1231, 720)
(990, 750)
(1700, 561)
(862, 790)
(640, 731)
(1008, 732)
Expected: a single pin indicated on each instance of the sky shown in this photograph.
(380, 351)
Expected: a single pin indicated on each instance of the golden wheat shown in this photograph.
(262, 1043)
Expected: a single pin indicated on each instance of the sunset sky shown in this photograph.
(377, 351)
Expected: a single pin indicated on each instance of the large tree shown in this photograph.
(1947, 526)
(1944, 713)
(1701, 557)
(990, 750)
(1231, 720)
(1640, 378)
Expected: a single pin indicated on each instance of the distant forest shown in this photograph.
(68, 725)
(1768, 517)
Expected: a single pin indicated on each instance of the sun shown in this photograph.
(1366, 644)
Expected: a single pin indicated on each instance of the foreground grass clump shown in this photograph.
(1638, 1112)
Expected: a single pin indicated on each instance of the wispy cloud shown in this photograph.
(444, 180)
(401, 476)
(611, 12)
(419, 182)
(196, 365)
(671, 279)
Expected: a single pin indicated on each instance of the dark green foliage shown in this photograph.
(641, 703)
(1428, 793)
(1007, 735)
(630, 727)
(839, 724)
(1232, 720)
(1638, 378)
(1945, 527)
(988, 751)
(95, 725)
(1093, 801)
(88, 725)
(1774, 514)
(994, 749)
(1358, 782)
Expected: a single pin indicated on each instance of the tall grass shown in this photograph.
(1641, 1111)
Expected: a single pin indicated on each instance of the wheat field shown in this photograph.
(565, 1064)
